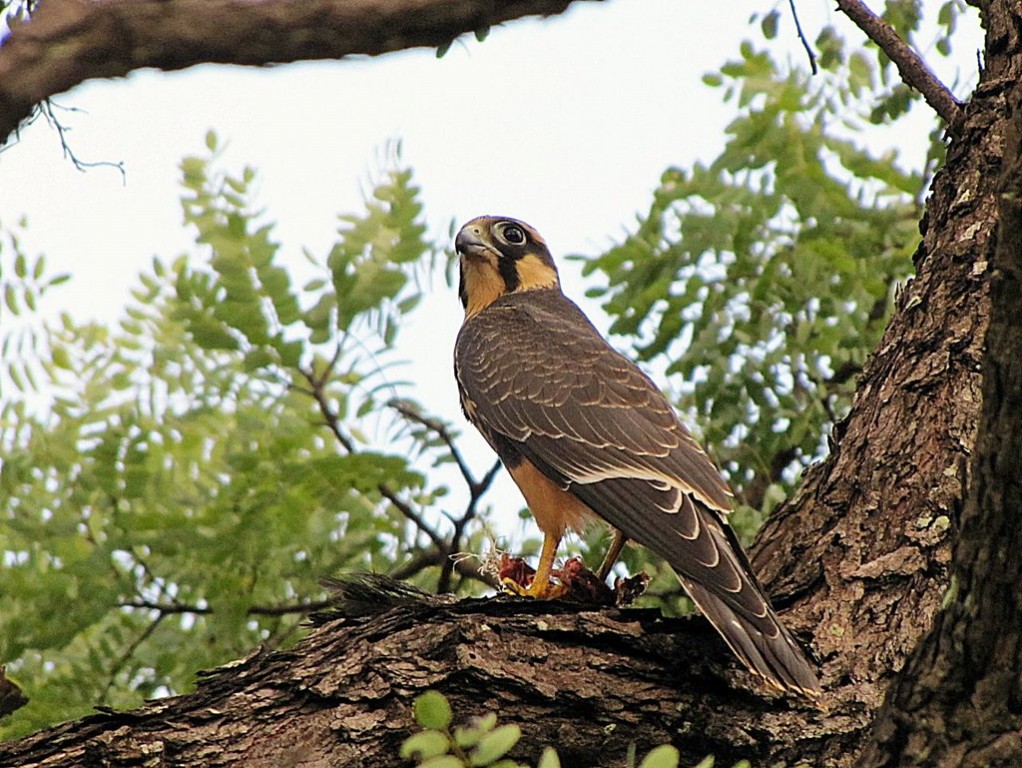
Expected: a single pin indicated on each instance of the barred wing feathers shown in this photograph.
(534, 371)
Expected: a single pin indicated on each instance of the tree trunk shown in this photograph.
(859, 563)
(956, 703)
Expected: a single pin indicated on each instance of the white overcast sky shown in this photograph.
(566, 123)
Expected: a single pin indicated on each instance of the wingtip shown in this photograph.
(763, 645)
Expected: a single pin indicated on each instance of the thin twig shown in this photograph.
(483, 485)
(405, 509)
(330, 417)
(914, 71)
(409, 411)
(330, 366)
(129, 652)
(46, 109)
(167, 609)
(432, 557)
(802, 37)
(476, 489)
(318, 386)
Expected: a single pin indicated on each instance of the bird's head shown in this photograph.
(498, 256)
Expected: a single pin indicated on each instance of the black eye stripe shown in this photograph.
(509, 273)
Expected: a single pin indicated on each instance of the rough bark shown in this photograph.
(863, 551)
(956, 703)
(67, 42)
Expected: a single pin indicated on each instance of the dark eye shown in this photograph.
(513, 234)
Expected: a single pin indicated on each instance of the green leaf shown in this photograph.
(495, 745)
(11, 298)
(425, 744)
(432, 710)
(210, 334)
(664, 756)
(258, 357)
(549, 759)
(60, 357)
(444, 761)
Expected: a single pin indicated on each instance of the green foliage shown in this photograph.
(482, 742)
(764, 278)
(24, 282)
(169, 495)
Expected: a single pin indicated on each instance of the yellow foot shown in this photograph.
(536, 590)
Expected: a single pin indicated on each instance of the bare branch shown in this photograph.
(464, 567)
(317, 386)
(914, 71)
(484, 485)
(410, 514)
(410, 412)
(167, 609)
(802, 37)
(317, 389)
(129, 652)
(477, 489)
(66, 42)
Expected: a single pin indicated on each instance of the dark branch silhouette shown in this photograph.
(66, 42)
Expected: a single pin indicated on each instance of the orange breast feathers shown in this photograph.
(555, 509)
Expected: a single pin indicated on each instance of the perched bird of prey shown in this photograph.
(584, 433)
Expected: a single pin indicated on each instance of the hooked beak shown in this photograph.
(469, 243)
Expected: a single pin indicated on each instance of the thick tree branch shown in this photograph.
(913, 69)
(66, 42)
(588, 681)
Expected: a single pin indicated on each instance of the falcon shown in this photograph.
(585, 434)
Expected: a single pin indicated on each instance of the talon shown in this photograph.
(512, 587)
(535, 590)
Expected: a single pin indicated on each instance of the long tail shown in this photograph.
(760, 641)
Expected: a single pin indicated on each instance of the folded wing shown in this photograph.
(534, 371)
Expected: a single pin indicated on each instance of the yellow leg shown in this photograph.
(541, 581)
(541, 587)
(613, 552)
